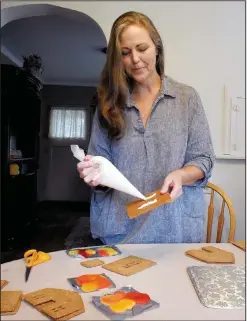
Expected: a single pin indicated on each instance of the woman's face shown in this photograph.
(139, 53)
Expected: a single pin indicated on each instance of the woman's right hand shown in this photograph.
(89, 171)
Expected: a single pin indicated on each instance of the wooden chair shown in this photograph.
(225, 200)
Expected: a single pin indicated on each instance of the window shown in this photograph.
(67, 123)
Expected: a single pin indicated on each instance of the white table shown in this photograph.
(167, 283)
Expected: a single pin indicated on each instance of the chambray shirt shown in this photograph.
(176, 134)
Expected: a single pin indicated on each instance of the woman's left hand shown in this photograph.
(173, 184)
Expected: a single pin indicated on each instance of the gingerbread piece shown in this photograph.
(10, 302)
(211, 254)
(92, 263)
(129, 265)
(57, 304)
(139, 207)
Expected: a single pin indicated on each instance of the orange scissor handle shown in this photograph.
(34, 258)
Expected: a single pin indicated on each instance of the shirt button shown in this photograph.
(139, 127)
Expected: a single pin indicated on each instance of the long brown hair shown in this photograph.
(114, 84)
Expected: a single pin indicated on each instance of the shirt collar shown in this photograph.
(167, 89)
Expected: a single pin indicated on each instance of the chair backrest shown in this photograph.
(221, 219)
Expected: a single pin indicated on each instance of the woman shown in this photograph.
(154, 130)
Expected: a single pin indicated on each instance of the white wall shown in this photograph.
(205, 48)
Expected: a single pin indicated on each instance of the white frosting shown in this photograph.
(151, 196)
(146, 204)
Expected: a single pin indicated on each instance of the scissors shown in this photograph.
(33, 258)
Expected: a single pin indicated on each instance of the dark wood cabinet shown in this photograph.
(20, 105)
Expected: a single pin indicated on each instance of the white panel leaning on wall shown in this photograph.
(233, 142)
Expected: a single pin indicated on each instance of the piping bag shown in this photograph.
(110, 175)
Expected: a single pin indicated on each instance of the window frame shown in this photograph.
(83, 142)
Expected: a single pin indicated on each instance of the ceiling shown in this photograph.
(5, 60)
(70, 47)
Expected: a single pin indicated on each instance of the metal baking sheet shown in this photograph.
(219, 287)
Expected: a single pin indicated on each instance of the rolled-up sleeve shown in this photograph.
(200, 152)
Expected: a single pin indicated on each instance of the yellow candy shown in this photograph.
(109, 250)
(112, 251)
(89, 286)
(73, 252)
(90, 252)
(122, 305)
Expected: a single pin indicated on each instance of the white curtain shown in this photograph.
(67, 123)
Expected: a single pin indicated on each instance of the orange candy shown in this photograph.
(121, 301)
(103, 282)
(92, 282)
(111, 298)
(103, 253)
(86, 253)
(86, 278)
(138, 297)
(107, 251)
